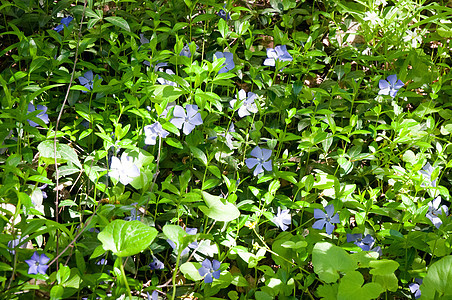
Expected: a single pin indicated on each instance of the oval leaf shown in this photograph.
(118, 21)
(218, 210)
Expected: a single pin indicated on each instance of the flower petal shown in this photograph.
(329, 210)
(251, 162)
(257, 152)
(329, 228)
(319, 214)
(319, 224)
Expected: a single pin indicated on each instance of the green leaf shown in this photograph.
(436, 284)
(118, 21)
(329, 259)
(351, 287)
(126, 238)
(63, 153)
(199, 155)
(218, 210)
(190, 271)
(383, 267)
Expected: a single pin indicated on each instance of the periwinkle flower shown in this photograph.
(87, 80)
(186, 51)
(228, 137)
(261, 160)
(325, 220)
(279, 53)
(229, 63)
(187, 120)
(42, 115)
(223, 14)
(37, 264)
(156, 264)
(434, 210)
(415, 287)
(102, 262)
(391, 86)
(427, 171)
(64, 22)
(167, 109)
(210, 269)
(193, 245)
(248, 106)
(14, 243)
(282, 219)
(123, 169)
(152, 132)
(366, 243)
(143, 39)
(163, 81)
(133, 215)
(153, 296)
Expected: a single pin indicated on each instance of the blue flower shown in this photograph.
(427, 171)
(14, 243)
(123, 170)
(210, 270)
(152, 132)
(37, 264)
(102, 262)
(247, 104)
(87, 80)
(163, 81)
(42, 115)
(229, 63)
(279, 53)
(434, 210)
(64, 22)
(325, 220)
(133, 214)
(261, 161)
(193, 245)
(391, 86)
(415, 287)
(156, 264)
(366, 243)
(187, 120)
(143, 39)
(282, 219)
(154, 296)
(223, 14)
(186, 51)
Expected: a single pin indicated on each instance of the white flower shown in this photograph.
(152, 132)
(123, 170)
(413, 37)
(372, 17)
(434, 210)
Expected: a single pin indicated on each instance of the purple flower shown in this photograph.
(261, 161)
(133, 214)
(152, 132)
(365, 243)
(64, 22)
(14, 243)
(247, 104)
(325, 219)
(391, 86)
(186, 51)
(37, 263)
(229, 63)
(163, 81)
(415, 287)
(427, 171)
(210, 270)
(187, 120)
(279, 53)
(42, 115)
(154, 296)
(123, 170)
(143, 39)
(102, 262)
(167, 109)
(193, 245)
(223, 14)
(87, 80)
(282, 219)
(434, 210)
(156, 264)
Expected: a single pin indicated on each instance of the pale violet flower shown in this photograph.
(391, 86)
(87, 80)
(14, 243)
(282, 219)
(261, 160)
(186, 51)
(152, 132)
(168, 107)
(279, 53)
(366, 243)
(153, 296)
(248, 105)
(123, 169)
(229, 63)
(37, 264)
(163, 81)
(434, 210)
(427, 171)
(42, 115)
(133, 214)
(156, 264)
(325, 220)
(143, 39)
(193, 245)
(187, 120)
(210, 270)
(415, 287)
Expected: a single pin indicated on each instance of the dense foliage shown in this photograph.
(238, 150)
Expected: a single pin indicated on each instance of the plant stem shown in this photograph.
(124, 277)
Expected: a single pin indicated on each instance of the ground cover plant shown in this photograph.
(225, 150)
